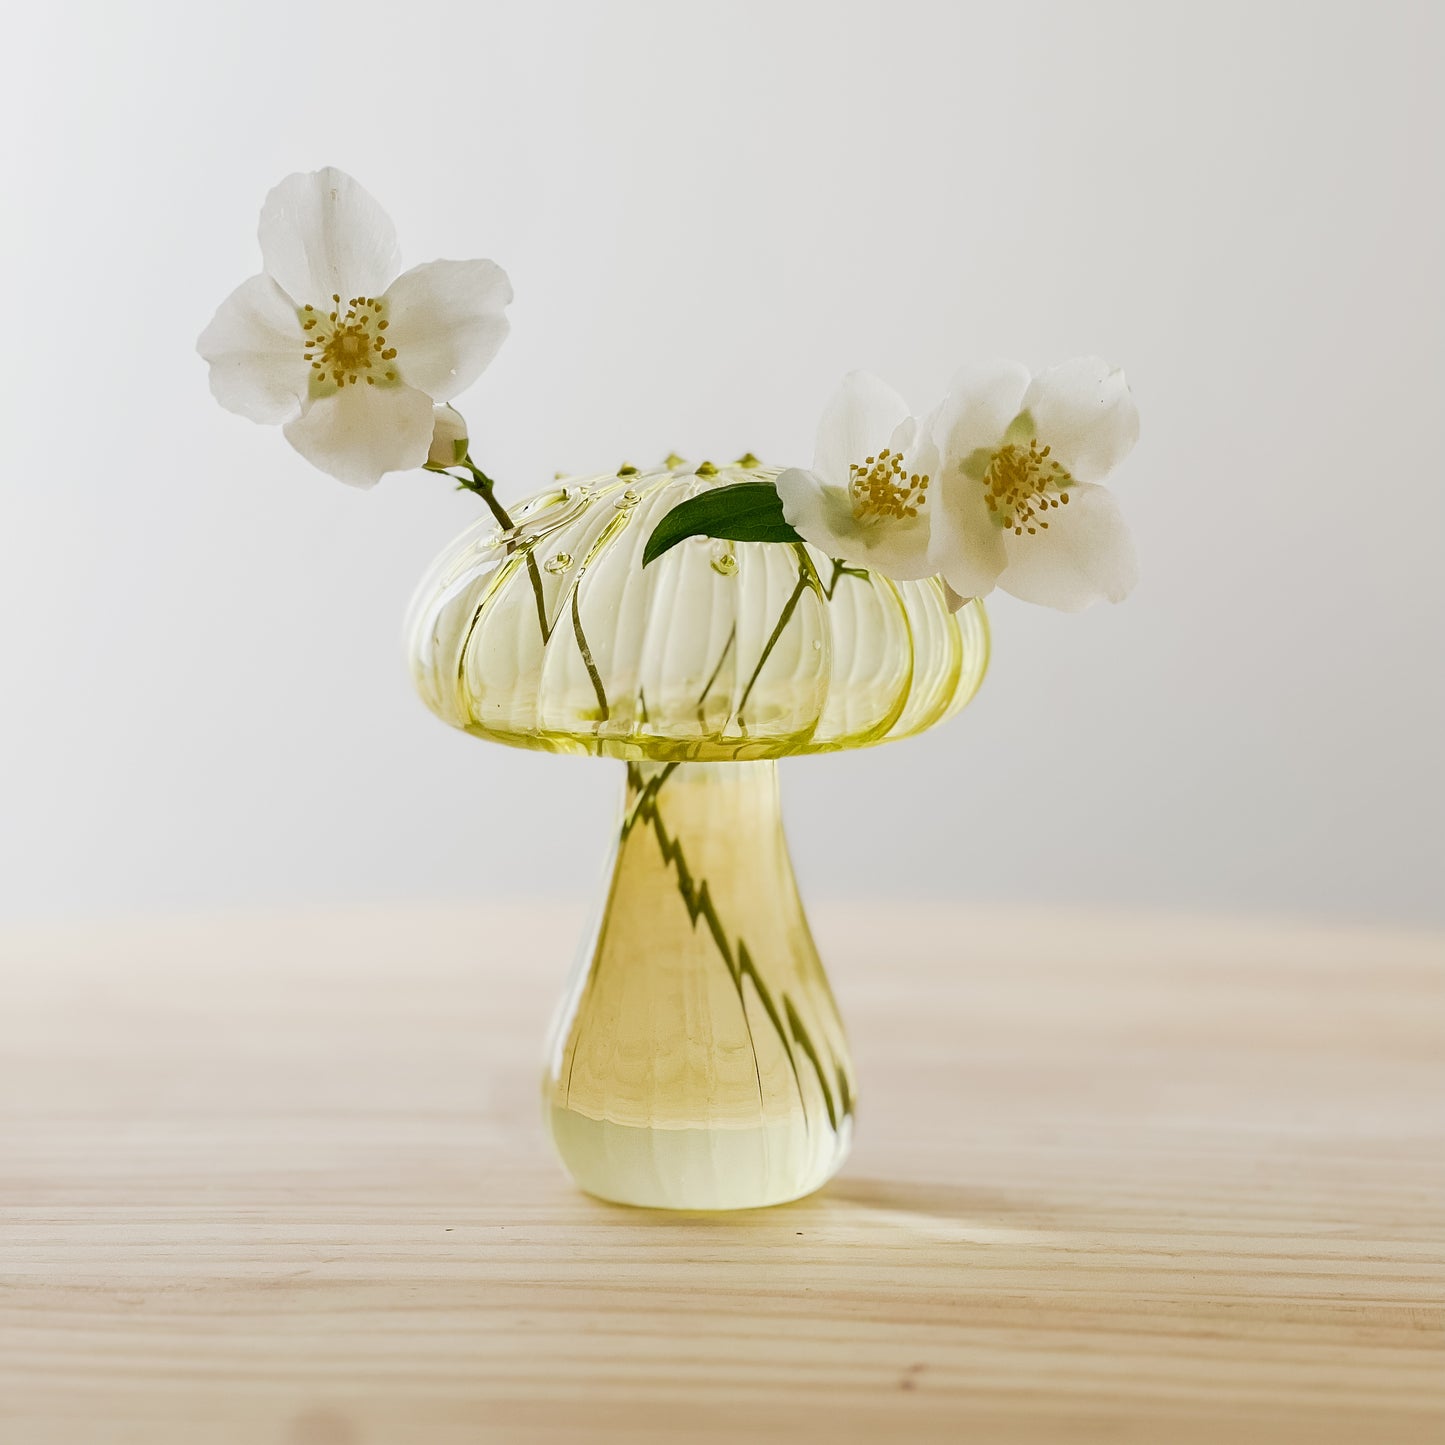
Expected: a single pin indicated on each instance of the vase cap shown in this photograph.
(552, 635)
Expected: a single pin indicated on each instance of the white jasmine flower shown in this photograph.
(449, 441)
(866, 498)
(1018, 503)
(330, 343)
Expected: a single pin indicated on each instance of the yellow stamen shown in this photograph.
(1021, 485)
(347, 347)
(879, 487)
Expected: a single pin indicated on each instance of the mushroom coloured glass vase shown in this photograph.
(697, 1060)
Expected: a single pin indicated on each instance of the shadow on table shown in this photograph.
(902, 1207)
(933, 1201)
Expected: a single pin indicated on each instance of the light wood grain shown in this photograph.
(283, 1182)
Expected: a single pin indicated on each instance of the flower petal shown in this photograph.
(966, 547)
(857, 423)
(913, 440)
(322, 234)
(1085, 412)
(255, 349)
(899, 550)
(982, 400)
(1085, 556)
(446, 323)
(362, 431)
(823, 514)
(819, 512)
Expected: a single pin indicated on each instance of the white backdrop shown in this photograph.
(709, 213)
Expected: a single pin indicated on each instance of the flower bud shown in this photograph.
(448, 437)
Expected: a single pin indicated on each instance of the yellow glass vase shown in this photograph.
(698, 1061)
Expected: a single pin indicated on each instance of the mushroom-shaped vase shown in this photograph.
(698, 1060)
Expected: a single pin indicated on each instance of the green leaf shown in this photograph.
(742, 512)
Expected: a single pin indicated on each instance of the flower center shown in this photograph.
(879, 487)
(343, 347)
(1020, 485)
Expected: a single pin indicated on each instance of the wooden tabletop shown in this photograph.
(284, 1182)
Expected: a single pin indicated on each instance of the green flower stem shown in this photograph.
(482, 485)
(486, 489)
(807, 577)
(696, 897)
(841, 569)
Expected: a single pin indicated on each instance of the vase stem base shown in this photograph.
(698, 1061)
(695, 1168)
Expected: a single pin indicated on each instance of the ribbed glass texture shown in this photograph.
(698, 1061)
(553, 636)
